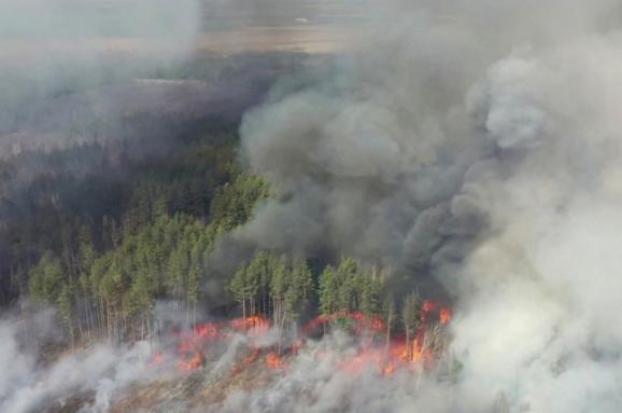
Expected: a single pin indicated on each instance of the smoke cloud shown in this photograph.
(476, 144)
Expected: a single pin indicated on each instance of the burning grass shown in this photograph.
(213, 360)
(197, 348)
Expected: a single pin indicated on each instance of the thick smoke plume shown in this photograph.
(476, 144)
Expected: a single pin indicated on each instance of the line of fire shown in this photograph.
(377, 348)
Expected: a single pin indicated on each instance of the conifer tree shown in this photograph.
(238, 288)
(371, 294)
(329, 291)
(389, 311)
(346, 280)
(47, 279)
(299, 288)
(278, 288)
(411, 317)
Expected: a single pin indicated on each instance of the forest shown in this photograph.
(103, 230)
(105, 274)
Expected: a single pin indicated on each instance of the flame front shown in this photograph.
(274, 361)
(374, 353)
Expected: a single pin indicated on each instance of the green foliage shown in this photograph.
(300, 286)
(153, 255)
(47, 278)
(49, 284)
(329, 290)
(371, 293)
(233, 204)
(65, 306)
(351, 288)
(161, 260)
(162, 257)
(287, 284)
(105, 271)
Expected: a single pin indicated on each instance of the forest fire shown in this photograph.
(254, 325)
(247, 361)
(377, 352)
(192, 345)
(274, 361)
(445, 315)
(361, 322)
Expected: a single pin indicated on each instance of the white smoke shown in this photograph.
(30, 383)
(314, 383)
(541, 296)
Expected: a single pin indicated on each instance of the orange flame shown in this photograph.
(207, 331)
(373, 353)
(196, 361)
(362, 322)
(445, 316)
(274, 361)
(157, 359)
(255, 325)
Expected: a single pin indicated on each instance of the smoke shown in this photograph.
(227, 14)
(40, 373)
(476, 144)
(68, 77)
(31, 382)
(547, 278)
(314, 384)
(58, 56)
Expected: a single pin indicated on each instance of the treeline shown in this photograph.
(46, 197)
(154, 255)
(286, 290)
(108, 285)
(105, 250)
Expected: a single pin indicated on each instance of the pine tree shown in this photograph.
(65, 309)
(346, 279)
(390, 315)
(278, 288)
(300, 285)
(238, 288)
(47, 279)
(410, 317)
(329, 290)
(178, 265)
(86, 257)
(371, 294)
(194, 280)
(255, 274)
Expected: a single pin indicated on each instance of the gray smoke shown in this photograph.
(477, 143)
(228, 14)
(67, 66)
